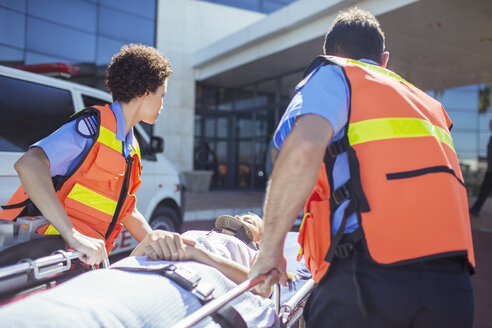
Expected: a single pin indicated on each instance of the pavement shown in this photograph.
(201, 209)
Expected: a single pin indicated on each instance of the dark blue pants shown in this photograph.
(432, 294)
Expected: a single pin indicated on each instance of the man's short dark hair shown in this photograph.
(136, 70)
(355, 34)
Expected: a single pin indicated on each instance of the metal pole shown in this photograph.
(217, 303)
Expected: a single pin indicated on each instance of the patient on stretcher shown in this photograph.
(115, 298)
(230, 247)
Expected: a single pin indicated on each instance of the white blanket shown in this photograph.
(115, 298)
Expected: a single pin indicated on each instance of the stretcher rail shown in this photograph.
(217, 303)
(58, 262)
(290, 312)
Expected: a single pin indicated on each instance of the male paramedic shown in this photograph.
(386, 232)
(83, 177)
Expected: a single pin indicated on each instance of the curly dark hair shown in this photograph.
(136, 70)
(355, 34)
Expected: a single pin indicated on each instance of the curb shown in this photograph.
(212, 214)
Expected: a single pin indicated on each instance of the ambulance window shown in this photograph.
(91, 101)
(145, 149)
(30, 112)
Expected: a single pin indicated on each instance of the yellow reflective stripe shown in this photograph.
(51, 231)
(392, 128)
(136, 150)
(92, 199)
(371, 67)
(108, 138)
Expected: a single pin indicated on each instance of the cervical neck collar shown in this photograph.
(237, 228)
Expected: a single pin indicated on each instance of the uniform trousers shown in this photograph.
(435, 293)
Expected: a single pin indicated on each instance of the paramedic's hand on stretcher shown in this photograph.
(165, 245)
(33, 169)
(270, 261)
(93, 250)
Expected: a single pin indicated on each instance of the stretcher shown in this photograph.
(81, 297)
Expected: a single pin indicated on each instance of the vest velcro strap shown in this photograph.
(346, 246)
(336, 148)
(344, 250)
(341, 194)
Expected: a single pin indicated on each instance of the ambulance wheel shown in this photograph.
(165, 218)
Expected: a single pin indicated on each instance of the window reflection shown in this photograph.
(79, 14)
(13, 23)
(264, 6)
(68, 31)
(121, 26)
(49, 38)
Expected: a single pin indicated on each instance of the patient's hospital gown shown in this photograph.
(115, 298)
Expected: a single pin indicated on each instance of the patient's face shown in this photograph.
(254, 223)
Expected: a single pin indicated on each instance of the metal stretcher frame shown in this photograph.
(28, 272)
(288, 314)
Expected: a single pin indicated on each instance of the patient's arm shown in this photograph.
(165, 245)
(171, 246)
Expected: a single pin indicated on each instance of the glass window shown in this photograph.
(484, 121)
(144, 8)
(210, 127)
(11, 28)
(198, 125)
(222, 127)
(91, 101)
(35, 58)
(465, 143)
(225, 99)
(463, 120)
(47, 38)
(10, 55)
(246, 126)
(18, 5)
(459, 98)
(75, 13)
(271, 6)
(26, 120)
(106, 48)
(264, 6)
(145, 148)
(243, 4)
(246, 151)
(221, 151)
(125, 26)
(245, 98)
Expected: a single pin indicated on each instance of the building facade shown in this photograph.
(236, 63)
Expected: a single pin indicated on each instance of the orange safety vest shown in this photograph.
(99, 192)
(406, 186)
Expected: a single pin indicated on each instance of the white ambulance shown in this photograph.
(33, 105)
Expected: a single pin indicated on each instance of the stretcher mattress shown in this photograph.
(115, 298)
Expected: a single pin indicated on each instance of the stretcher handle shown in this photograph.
(219, 302)
(38, 266)
(104, 262)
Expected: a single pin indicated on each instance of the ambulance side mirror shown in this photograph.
(157, 144)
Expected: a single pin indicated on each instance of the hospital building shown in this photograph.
(236, 63)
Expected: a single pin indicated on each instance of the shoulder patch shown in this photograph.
(86, 126)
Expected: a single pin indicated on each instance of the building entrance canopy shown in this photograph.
(435, 44)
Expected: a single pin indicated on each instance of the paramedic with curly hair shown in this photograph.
(386, 232)
(83, 177)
